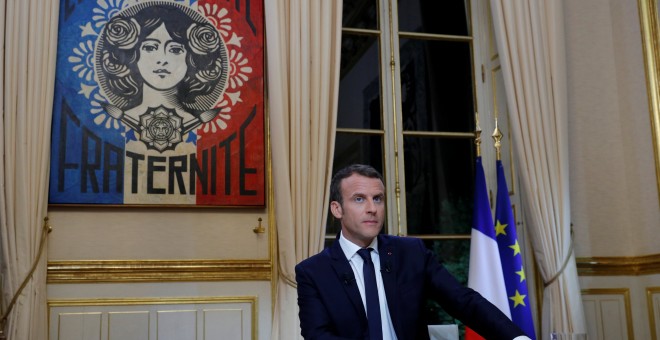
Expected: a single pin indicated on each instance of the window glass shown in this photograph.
(360, 14)
(351, 148)
(455, 256)
(436, 86)
(433, 16)
(439, 185)
(359, 87)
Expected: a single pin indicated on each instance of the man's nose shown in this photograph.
(371, 206)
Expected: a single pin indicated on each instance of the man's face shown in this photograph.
(363, 209)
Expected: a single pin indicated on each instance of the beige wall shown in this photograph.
(614, 198)
(157, 234)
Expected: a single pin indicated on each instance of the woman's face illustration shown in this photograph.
(162, 61)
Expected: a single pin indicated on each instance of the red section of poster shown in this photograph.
(238, 144)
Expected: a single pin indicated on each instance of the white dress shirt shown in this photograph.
(350, 250)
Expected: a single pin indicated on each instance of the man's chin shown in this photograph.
(374, 232)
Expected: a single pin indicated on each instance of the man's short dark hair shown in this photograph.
(360, 169)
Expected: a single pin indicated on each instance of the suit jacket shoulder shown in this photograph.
(328, 297)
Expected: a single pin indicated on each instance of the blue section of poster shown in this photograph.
(87, 146)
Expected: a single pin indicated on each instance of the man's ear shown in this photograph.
(336, 210)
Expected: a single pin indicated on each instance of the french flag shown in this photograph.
(485, 274)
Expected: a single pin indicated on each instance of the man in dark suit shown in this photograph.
(373, 286)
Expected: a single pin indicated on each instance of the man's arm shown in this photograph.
(466, 304)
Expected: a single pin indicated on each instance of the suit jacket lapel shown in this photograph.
(347, 277)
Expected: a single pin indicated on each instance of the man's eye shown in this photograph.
(378, 199)
(359, 199)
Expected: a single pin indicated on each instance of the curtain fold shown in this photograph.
(29, 41)
(530, 40)
(303, 55)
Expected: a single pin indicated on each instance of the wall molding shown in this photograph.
(618, 266)
(650, 292)
(92, 271)
(96, 306)
(625, 294)
(97, 271)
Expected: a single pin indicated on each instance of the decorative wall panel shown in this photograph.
(608, 313)
(653, 301)
(154, 319)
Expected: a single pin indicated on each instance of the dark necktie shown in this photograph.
(371, 292)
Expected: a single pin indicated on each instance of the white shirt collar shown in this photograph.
(350, 249)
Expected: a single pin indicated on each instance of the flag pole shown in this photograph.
(497, 136)
(477, 134)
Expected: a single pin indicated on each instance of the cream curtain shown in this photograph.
(303, 48)
(30, 45)
(530, 40)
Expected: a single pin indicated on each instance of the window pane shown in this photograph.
(328, 243)
(359, 87)
(455, 256)
(351, 148)
(433, 16)
(439, 185)
(360, 14)
(436, 86)
(332, 228)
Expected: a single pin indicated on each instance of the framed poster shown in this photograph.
(159, 103)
